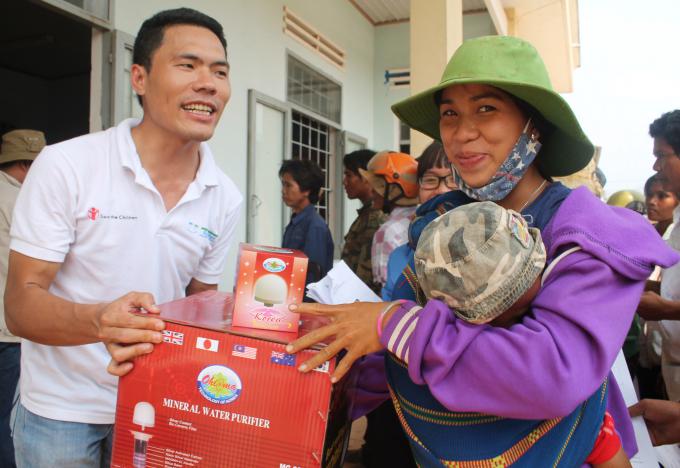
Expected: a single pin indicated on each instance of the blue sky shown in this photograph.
(629, 76)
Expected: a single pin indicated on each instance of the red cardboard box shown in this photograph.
(268, 279)
(215, 395)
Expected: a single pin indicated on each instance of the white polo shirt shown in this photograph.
(89, 204)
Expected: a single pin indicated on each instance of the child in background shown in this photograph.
(487, 265)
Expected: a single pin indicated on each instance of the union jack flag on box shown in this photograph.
(173, 337)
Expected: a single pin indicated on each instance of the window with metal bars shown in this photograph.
(312, 140)
(311, 90)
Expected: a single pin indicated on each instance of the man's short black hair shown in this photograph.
(357, 160)
(668, 127)
(150, 35)
(307, 174)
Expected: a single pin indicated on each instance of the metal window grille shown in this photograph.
(312, 141)
(313, 91)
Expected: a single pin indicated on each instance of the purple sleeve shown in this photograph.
(371, 388)
(538, 369)
(618, 409)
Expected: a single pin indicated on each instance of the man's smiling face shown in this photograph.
(187, 86)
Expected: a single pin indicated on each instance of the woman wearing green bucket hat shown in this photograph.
(506, 134)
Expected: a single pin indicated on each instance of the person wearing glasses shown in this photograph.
(385, 443)
(434, 178)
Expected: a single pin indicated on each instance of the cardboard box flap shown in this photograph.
(213, 310)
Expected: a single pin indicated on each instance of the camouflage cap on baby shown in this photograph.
(480, 259)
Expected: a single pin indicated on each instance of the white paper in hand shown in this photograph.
(646, 456)
(341, 286)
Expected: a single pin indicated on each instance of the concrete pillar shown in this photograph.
(436, 32)
(552, 27)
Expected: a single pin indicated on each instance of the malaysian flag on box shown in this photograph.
(247, 352)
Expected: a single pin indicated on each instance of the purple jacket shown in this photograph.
(563, 349)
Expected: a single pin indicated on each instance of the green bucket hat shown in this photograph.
(514, 66)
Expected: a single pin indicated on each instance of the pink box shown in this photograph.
(268, 279)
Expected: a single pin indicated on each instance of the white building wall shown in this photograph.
(392, 50)
(392, 47)
(476, 25)
(257, 49)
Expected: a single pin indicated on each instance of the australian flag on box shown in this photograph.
(283, 359)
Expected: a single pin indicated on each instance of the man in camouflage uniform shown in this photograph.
(357, 249)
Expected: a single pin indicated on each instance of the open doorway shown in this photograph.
(44, 70)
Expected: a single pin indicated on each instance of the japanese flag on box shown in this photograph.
(207, 344)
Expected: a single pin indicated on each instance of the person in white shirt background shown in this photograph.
(19, 149)
(662, 416)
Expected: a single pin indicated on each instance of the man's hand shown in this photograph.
(653, 307)
(127, 334)
(662, 418)
(353, 327)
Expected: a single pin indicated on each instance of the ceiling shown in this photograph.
(40, 43)
(380, 12)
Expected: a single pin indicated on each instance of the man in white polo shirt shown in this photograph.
(139, 207)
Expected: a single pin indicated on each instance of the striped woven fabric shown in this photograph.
(441, 438)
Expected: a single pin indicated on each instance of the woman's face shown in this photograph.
(660, 203)
(426, 184)
(479, 125)
(291, 194)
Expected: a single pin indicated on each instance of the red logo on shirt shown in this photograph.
(92, 213)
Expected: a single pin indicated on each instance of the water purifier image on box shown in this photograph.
(268, 280)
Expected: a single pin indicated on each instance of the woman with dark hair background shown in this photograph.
(301, 184)
(385, 443)
(434, 179)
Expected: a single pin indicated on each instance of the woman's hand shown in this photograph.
(353, 327)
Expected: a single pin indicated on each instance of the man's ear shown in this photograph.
(138, 78)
